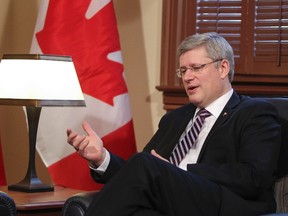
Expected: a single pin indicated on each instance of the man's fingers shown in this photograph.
(153, 152)
(75, 140)
(83, 145)
(68, 131)
(70, 136)
(87, 128)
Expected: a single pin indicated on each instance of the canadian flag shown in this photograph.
(2, 170)
(87, 31)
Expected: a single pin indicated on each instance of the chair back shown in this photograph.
(7, 205)
(281, 185)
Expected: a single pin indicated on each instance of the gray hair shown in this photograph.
(216, 46)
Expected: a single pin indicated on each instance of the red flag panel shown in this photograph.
(93, 43)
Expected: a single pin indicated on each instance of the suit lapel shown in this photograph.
(168, 144)
(223, 117)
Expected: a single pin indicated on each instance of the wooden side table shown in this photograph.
(41, 203)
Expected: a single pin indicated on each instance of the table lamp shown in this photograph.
(34, 81)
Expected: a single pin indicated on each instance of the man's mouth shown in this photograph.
(191, 89)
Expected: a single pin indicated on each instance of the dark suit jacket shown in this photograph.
(240, 153)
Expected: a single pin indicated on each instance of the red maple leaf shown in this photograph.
(88, 41)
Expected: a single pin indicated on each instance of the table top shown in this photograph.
(41, 200)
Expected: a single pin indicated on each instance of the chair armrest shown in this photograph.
(77, 204)
(276, 214)
(281, 194)
(7, 205)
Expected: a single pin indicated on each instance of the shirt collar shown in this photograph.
(216, 107)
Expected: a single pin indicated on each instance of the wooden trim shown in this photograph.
(178, 22)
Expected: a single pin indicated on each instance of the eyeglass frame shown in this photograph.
(180, 71)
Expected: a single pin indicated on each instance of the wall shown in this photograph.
(139, 25)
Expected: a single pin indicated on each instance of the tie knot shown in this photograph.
(203, 113)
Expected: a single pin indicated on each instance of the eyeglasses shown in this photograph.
(180, 71)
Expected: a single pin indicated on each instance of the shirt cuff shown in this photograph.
(102, 168)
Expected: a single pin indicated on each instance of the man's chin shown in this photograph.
(194, 100)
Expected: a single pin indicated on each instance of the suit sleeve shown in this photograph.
(115, 164)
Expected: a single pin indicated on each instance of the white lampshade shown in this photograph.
(39, 80)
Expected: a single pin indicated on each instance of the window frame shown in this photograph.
(179, 22)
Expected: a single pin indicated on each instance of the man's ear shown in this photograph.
(224, 68)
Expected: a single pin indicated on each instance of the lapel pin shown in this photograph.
(225, 114)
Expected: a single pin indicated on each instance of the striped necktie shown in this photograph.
(189, 139)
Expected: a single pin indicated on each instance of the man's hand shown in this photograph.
(88, 146)
(153, 152)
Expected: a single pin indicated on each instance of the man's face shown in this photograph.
(207, 84)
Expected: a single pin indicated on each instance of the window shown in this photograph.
(256, 29)
(271, 31)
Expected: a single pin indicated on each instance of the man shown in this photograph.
(230, 166)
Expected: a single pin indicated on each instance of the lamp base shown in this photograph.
(32, 185)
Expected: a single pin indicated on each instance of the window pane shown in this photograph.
(271, 31)
(223, 17)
